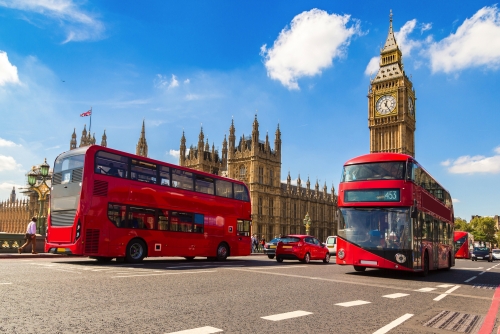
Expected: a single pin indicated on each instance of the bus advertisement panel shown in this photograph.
(393, 215)
(109, 204)
(464, 242)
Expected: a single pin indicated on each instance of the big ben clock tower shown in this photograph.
(391, 103)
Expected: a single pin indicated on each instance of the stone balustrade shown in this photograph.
(9, 243)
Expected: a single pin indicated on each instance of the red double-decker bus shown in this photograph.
(393, 215)
(464, 242)
(109, 204)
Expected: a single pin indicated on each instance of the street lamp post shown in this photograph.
(37, 178)
(307, 223)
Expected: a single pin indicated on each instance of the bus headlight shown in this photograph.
(400, 258)
(341, 254)
(78, 230)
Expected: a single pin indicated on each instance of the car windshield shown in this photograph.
(274, 241)
(496, 251)
(481, 249)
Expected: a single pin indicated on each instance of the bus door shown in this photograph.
(243, 236)
(435, 244)
(417, 242)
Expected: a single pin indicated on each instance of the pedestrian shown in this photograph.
(252, 248)
(30, 237)
(263, 243)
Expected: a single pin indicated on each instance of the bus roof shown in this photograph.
(378, 157)
(83, 150)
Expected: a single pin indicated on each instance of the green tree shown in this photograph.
(484, 229)
(462, 225)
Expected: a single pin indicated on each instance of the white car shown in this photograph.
(331, 243)
(496, 254)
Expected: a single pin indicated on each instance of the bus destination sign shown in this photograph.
(372, 195)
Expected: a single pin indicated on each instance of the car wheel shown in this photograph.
(136, 251)
(358, 268)
(307, 258)
(279, 259)
(271, 256)
(327, 258)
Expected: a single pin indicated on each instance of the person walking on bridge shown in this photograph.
(30, 237)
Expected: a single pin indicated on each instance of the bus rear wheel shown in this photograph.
(222, 252)
(136, 251)
(103, 259)
(358, 268)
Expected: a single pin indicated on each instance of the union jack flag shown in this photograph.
(87, 113)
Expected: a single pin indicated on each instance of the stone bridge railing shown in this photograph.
(9, 243)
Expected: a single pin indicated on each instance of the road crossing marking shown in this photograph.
(353, 303)
(277, 267)
(396, 295)
(5, 283)
(393, 324)
(470, 279)
(445, 285)
(168, 273)
(426, 289)
(199, 330)
(288, 315)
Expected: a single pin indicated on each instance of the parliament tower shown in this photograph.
(391, 103)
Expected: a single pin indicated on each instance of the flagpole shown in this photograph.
(90, 126)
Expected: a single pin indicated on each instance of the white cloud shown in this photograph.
(77, 25)
(404, 42)
(186, 81)
(476, 164)
(475, 43)
(8, 72)
(175, 153)
(7, 143)
(191, 97)
(8, 163)
(455, 200)
(373, 66)
(308, 46)
(425, 27)
(174, 82)
(7, 187)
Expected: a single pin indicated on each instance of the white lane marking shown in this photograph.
(470, 279)
(277, 267)
(396, 295)
(5, 283)
(468, 268)
(445, 285)
(169, 273)
(199, 330)
(426, 289)
(288, 315)
(204, 266)
(393, 324)
(482, 272)
(446, 293)
(353, 303)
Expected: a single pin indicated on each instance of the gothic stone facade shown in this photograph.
(277, 208)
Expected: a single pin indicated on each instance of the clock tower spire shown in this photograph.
(391, 103)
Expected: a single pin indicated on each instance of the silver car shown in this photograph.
(496, 254)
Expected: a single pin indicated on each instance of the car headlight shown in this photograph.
(473, 255)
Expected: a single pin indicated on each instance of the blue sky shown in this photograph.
(306, 65)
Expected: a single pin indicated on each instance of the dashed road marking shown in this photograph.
(199, 330)
(426, 289)
(445, 285)
(393, 324)
(446, 293)
(353, 303)
(396, 295)
(288, 315)
(470, 279)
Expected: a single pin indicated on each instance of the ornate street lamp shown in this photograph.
(307, 223)
(37, 177)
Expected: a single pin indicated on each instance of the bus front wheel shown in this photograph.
(136, 251)
(222, 252)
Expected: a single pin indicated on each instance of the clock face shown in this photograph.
(411, 106)
(386, 104)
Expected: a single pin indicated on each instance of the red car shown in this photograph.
(301, 247)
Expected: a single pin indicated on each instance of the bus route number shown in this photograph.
(391, 195)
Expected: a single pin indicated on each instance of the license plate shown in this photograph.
(287, 246)
(272, 246)
(61, 250)
(480, 257)
(329, 246)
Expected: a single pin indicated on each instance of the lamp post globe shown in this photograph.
(44, 168)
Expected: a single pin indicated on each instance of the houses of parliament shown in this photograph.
(280, 207)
